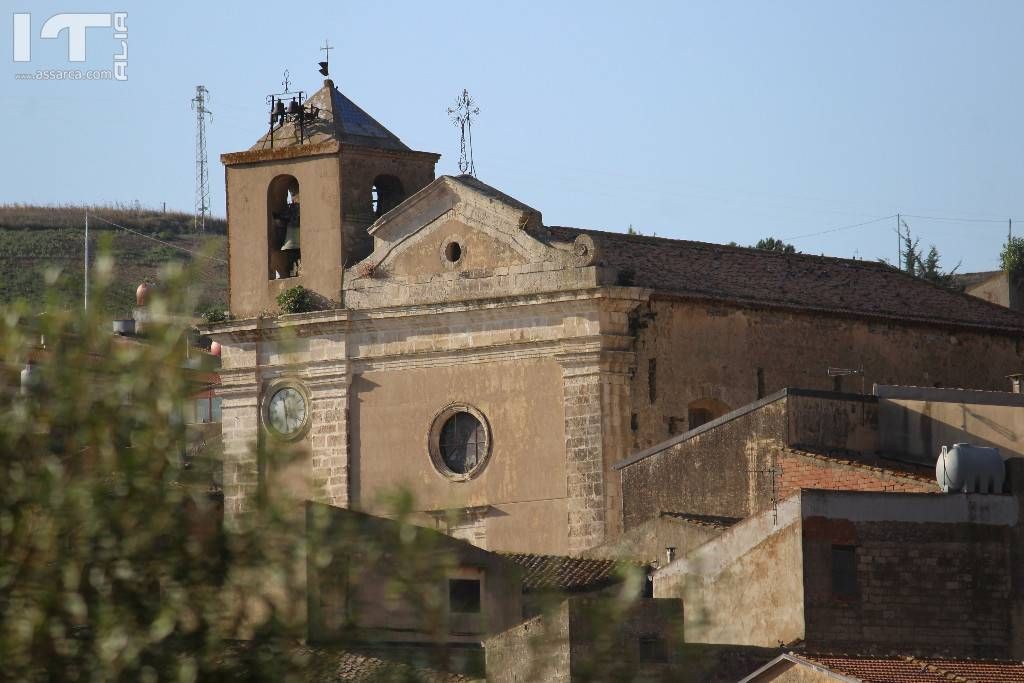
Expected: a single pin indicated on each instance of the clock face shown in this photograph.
(287, 411)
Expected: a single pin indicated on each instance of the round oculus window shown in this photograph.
(286, 412)
(460, 442)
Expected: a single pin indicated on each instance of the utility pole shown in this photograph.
(86, 303)
(202, 168)
(899, 243)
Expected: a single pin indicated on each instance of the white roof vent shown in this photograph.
(970, 469)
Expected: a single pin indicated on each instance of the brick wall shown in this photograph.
(930, 588)
(809, 471)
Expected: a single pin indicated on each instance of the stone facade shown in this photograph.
(733, 355)
(931, 573)
(574, 348)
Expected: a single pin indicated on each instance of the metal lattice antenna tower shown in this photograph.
(202, 167)
(462, 116)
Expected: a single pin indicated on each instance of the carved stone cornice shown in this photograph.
(579, 360)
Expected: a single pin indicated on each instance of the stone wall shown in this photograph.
(940, 589)
(744, 587)
(536, 650)
(713, 472)
(726, 353)
(592, 639)
(755, 457)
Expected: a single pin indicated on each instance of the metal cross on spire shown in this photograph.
(462, 116)
(287, 82)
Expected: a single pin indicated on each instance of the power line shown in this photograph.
(841, 227)
(166, 244)
(957, 220)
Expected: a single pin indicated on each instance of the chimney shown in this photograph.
(670, 554)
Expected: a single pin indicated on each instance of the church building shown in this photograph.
(497, 367)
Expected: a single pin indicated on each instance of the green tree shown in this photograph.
(1011, 258)
(926, 265)
(108, 567)
(774, 244)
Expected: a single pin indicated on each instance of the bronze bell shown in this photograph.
(291, 238)
(293, 107)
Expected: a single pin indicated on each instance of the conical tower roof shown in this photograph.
(339, 119)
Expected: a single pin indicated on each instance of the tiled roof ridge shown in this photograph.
(714, 246)
(836, 455)
(937, 665)
(942, 306)
(567, 572)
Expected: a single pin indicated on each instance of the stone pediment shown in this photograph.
(458, 230)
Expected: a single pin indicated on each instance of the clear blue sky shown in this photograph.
(713, 121)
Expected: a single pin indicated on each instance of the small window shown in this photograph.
(844, 572)
(705, 410)
(464, 596)
(653, 650)
(453, 252)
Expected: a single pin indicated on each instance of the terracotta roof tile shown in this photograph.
(715, 521)
(760, 277)
(380, 664)
(895, 669)
(562, 573)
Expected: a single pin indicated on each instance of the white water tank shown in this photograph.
(970, 469)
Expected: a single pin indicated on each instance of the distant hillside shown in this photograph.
(34, 238)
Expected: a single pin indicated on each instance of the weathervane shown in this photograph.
(325, 65)
(462, 116)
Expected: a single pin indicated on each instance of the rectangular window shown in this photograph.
(698, 416)
(652, 379)
(844, 571)
(653, 650)
(464, 596)
(202, 410)
(215, 409)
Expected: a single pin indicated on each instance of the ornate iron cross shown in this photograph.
(462, 116)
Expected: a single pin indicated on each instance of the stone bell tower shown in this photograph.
(299, 202)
